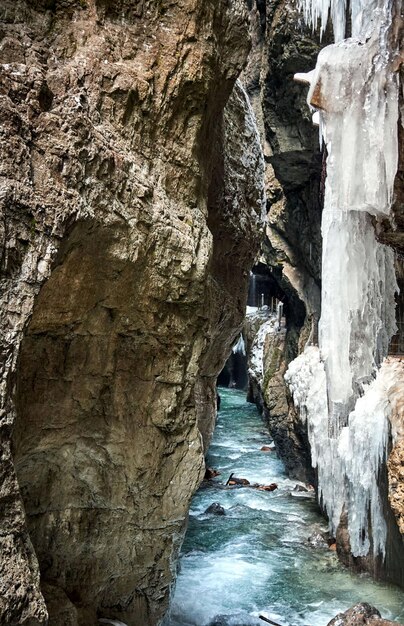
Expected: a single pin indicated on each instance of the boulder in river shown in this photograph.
(303, 491)
(211, 473)
(233, 480)
(362, 614)
(270, 487)
(300, 488)
(215, 509)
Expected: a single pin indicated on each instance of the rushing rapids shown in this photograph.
(257, 558)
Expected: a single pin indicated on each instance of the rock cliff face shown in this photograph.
(125, 232)
(295, 174)
(292, 247)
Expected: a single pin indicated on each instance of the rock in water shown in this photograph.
(318, 540)
(233, 480)
(211, 473)
(362, 614)
(215, 509)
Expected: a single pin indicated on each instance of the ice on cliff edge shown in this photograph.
(356, 94)
(355, 90)
(363, 15)
(348, 465)
(340, 388)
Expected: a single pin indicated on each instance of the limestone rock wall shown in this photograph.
(282, 46)
(237, 185)
(112, 205)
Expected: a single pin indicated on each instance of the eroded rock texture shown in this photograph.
(362, 614)
(292, 247)
(115, 189)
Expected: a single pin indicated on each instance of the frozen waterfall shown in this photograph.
(365, 15)
(342, 387)
(239, 347)
(348, 464)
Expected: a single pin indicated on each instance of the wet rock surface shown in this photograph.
(215, 509)
(360, 615)
(318, 539)
(282, 46)
(116, 183)
(269, 351)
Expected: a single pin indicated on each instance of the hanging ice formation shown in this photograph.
(239, 347)
(354, 89)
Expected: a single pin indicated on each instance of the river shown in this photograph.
(256, 559)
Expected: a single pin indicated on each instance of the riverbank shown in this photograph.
(257, 558)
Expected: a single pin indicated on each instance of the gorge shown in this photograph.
(156, 155)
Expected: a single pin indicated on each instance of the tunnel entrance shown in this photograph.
(267, 298)
(263, 289)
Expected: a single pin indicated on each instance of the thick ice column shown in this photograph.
(357, 96)
(356, 93)
(358, 306)
(340, 389)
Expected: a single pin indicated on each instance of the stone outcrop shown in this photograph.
(268, 356)
(122, 245)
(396, 482)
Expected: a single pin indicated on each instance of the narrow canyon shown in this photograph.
(196, 194)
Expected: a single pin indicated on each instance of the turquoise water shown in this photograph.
(256, 559)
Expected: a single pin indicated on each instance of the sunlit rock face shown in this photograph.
(115, 190)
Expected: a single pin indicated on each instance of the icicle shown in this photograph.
(358, 304)
(315, 10)
(239, 348)
(364, 15)
(348, 466)
(354, 92)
